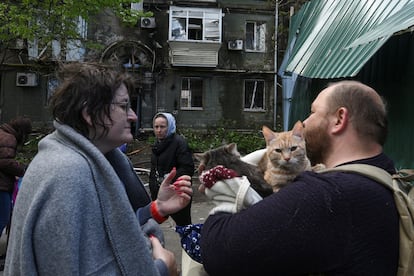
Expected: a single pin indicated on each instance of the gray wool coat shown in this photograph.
(72, 215)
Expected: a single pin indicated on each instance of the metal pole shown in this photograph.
(275, 65)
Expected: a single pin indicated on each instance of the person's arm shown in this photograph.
(184, 159)
(12, 167)
(296, 230)
(161, 267)
(134, 187)
(172, 197)
(152, 229)
(231, 195)
(163, 256)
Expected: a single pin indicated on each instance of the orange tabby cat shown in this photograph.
(285, 156)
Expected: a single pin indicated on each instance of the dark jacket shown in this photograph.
(9, 167)
(171, 152)
(334, 223)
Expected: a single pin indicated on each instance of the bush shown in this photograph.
(202, 141)
(26, 153)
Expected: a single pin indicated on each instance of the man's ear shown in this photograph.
(341, 120)
(86, 116)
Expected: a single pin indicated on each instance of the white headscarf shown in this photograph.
(170, 122)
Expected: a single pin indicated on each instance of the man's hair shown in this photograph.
(367, 110)
(87, 85)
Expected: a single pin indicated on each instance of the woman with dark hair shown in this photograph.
(81, 209)
(12, 135)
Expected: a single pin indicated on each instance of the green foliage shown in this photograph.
(48, 20)
(151, 140)
(26, 153)
(199, 141)
(202, 141)
(129, 17)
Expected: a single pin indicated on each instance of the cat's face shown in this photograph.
(218, 156)
(285, 149)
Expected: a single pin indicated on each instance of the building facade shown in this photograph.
(210, 63)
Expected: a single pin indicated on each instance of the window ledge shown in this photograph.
(254, 110)
(191, 108)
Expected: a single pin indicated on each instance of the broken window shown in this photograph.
(255, 36)
(191, 93)
(254, 95)
(195, 24)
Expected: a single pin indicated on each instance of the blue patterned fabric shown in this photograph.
(190, 240)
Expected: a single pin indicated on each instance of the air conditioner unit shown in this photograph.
(26, 79)
(235, 45)
(148, 22)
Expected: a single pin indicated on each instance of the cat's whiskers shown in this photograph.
(285, 157)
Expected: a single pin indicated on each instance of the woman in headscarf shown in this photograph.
(170, 150)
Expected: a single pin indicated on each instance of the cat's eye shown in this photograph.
(293, 148)
(278, 150)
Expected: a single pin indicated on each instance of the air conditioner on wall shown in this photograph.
(235, 45)
(26, 79)
(148, 22)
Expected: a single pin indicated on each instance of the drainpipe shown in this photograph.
(275, 64)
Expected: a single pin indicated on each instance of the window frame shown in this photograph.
(189, 20)
(252, 108)
(259, 37)
(190, 97)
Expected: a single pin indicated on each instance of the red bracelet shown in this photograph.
(155, 214)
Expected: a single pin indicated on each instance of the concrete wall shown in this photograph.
(19, 101)
(222, 85)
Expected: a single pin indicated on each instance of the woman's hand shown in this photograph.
(159, 252)
(172, 197)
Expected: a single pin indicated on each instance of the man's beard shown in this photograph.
(317, 144)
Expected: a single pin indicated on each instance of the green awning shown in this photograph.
(334, 39)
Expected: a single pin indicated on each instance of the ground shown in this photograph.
(140, 153)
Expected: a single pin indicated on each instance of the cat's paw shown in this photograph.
(318, 167)
(210, 177)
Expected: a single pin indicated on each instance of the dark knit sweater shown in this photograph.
(335, 223)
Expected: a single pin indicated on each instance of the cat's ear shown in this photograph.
(232, 148)
(268, 134)
(297, 129)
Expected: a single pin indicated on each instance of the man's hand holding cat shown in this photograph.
(227, 190)
(210, 177)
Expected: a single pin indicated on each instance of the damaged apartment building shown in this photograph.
(211, 63)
